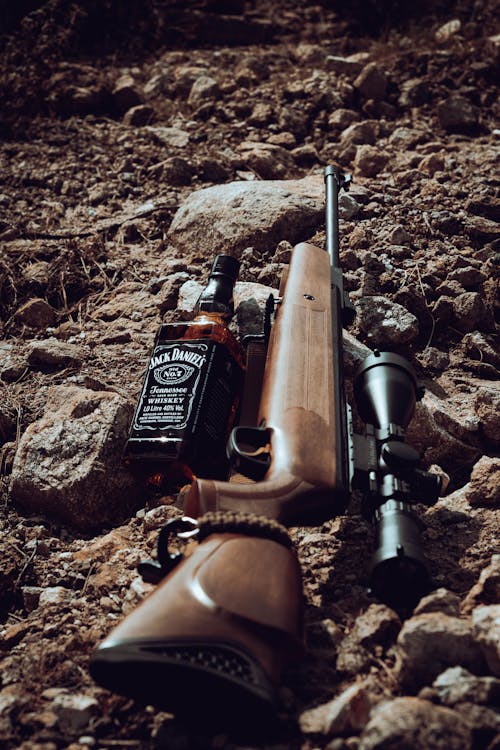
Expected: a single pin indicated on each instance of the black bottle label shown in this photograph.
(171, 384)
(187, 397)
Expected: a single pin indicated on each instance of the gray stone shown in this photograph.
(385, 323)
(430, 642)
(69, 463)
(456, 114)
(140, 115)
(74, 711)
(169, 136)
(434, 359)
(441, 600)
(456, 684)
(483, 489)
(203, 89)
(469, 311)
(354, 352)
(347, 65)
(412, 723)
(238, 215)
(379, 625)
(347, 713)
(429, 435)
(54, 353)
(348, 206)
(486, 628)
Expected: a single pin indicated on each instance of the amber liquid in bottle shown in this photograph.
(191, 391)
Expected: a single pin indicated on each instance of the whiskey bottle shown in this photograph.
(191, 390)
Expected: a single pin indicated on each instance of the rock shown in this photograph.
(385, 323)
(243, 290)
(456, 684)
(487, 408)
(370, 160)
(483, 721)
(469, 311)
(456, 114)
(457, 415)
(261, 115)
(354, 352)
(485, 205)
(203, 89)
(305, 155)
(68, 463)
(243, 214)
(36, 313)
(360, 133)
(413, 93)
(484, 487)
(379, 625)
(486, 628)
(250, 318)
(169, 136)
(345, 714)
(429, 434)
(54, 595)
(430, 642)
(431, 164)
(372, 82)
(138, 116)
(434, 359)
(74, 711)
(126, 94)
(468, 276)
(447, 30)
(487, 589)
(405, 723)
(169, 291)
(348, 206)
(53, 353)
(348, 66)
(441, 600)
(269, 161)
(477, 346)
(176, 170)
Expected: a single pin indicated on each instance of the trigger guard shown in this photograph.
(253, 464)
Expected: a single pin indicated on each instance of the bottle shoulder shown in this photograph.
(204, 326)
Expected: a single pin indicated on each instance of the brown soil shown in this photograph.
(74, 170)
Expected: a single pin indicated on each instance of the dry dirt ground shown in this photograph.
(112, 115)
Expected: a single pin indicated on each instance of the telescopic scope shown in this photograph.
(386, 390)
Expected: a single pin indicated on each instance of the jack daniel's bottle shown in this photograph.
(191, 390)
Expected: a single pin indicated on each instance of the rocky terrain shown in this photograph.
(138, 140)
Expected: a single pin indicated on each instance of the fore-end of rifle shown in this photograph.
(299, 412)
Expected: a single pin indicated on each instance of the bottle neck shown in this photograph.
(217, 297)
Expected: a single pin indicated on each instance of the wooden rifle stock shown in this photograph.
(306, 481)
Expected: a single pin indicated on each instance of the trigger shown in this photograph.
(248, 451)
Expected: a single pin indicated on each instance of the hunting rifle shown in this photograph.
(222, 623)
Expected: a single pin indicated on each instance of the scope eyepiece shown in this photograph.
(398, 569)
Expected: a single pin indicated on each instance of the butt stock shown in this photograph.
(299, 418)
